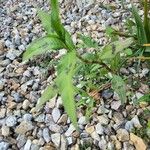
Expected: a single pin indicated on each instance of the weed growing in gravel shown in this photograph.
(78, 74)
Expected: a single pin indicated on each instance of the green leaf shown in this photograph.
(48, 94)
(145, 98)
(110, 50)
(46, 21)
(66, 70)
(140, 27)
(42, 45)
(119, 87)
(88, 41)
(55, 19)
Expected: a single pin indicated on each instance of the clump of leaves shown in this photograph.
(102, 61)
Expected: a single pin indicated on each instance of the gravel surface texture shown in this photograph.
(21, 128)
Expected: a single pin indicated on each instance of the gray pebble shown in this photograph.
(106, 94)
(4, 145)
(40, 118)
(46, 135)
(27, 145)
(56, 139)
(11, 121)
(56, 114)
(99, 129)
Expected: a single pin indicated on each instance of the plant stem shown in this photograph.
(95, 62)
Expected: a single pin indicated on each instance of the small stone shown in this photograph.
(63, 145)
(24, 127)
(103, 119)
(5, 130)
(11, 55)
(56, 114)
(122, 135)
(124, 71)
(4, 145)
(2, 113)
(46, 135)
(89, 129)
(70, 130)
(25, 104)
(128, 146)
(95, 136)
(40, 118)
(27, 145)
(56, 139)
(106, 94)
(102, 144)
(21, 140)
(54, 128)
(136, 122)
(102, 110)
(1, 85)
(118, 145)
(115, 105)
(63, 119)
(69, 140)
(118, 118)
(11, 121)
(129, 126)
(138, 142)
(145, 71)
(82, 120)
(51, 103)
(27, 117)
(35, 147)
(99, 129)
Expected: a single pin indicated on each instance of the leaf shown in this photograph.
(48, 94)
(110, 50)
(42, 45)
(46, 21)
(140, 27)
(66, 70)
(145, 98)
(88, 41)
(55, 19)
(119, 87)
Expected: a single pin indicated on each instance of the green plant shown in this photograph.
(73, 68)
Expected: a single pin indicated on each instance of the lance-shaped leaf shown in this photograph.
(140, 26)
(42, 45)
(110, 50)
(48, 94)
(45, 18)
(119, 87)
(64, 81)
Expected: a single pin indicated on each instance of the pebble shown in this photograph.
(11, 121)
(102, 143)
(4, 145)
(70, 130)
(89, 129)
(46, 135)
(24, 127)
(25, 104)
(27, 145)
(82, 120)
(21, 140)
(55, 128)
(2, 113)
(56, 139)
(138, 142)
(136, 122)
(122, 135)
(56, 114)
(95, 136)
(107, 94)
(103, 119)
(40, 118)
(99, 129)
(5, 131)
(129, 126)
(115, 105)
(63, 145)
(27, 117)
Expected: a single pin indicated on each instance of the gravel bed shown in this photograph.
(21, 128)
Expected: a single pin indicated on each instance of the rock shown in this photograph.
(70, 130)
(63, 145)
(27, 117)
(95, 136)
(145, 71)
(115, 105)
(118, 118)
(129, 126)
(103, 119)
(1, 85)
(4, 145)
(102, 143)
(56, 114)
(128, 146)
(56, 139)
(5, 130)
(11, 121)
(136, 122)
(11, 54)
(138, 142)
(27, 145)
(40, 118)
(82, 120)
(102, 110)
(46, 135)
(89, 129)
(2, 113)
(24, 127)
(69, 140)
(51, 103)
(21, 140)
(122, 135)
(106, 94)
(63, 119)
(118, 145)
(99, 129)
(25, 104)
(55, 128)
(35, 147)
